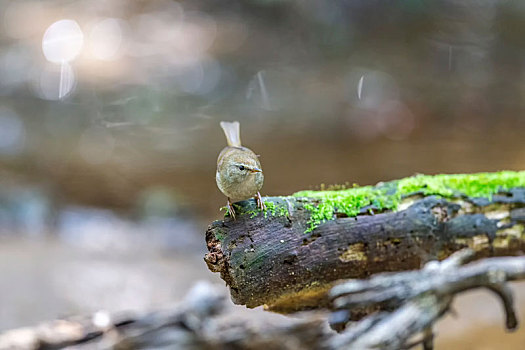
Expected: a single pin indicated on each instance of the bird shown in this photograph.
(239, 174)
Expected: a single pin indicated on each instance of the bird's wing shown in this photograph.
(232, 132)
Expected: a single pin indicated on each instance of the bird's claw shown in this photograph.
(231, 209)
(260, 202)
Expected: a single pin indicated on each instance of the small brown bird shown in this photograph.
(239, 174)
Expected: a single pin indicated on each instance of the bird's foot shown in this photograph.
(260, 202)
(231, 209)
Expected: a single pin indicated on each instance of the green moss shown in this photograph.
(219, 235)
(275, 209)
(241, 210)
(388, 195)
(225, 209)
(254, 261)
(252, 213)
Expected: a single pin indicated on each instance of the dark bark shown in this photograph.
(272, 261)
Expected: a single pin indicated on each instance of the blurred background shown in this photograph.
(109, 134)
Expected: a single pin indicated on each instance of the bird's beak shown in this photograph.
(255, 170)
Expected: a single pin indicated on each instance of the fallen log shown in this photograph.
(289, 256)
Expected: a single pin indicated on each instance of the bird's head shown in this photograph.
(240, 169)
(244, 169)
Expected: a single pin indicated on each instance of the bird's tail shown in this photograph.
(232, 132)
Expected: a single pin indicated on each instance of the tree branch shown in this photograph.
(418, 299)
(273, 259)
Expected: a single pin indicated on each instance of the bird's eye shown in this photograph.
(241, 167)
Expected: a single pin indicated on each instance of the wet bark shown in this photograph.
(270, 260)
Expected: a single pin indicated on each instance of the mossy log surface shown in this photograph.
(279, 260)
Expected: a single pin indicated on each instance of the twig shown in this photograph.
(418, 299)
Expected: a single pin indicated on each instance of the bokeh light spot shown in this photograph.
(62, 41)
(105, 39)
(56, 82)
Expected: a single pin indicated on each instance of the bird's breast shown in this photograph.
(240, 190)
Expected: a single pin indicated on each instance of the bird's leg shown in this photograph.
(259, 200)
(231, 209)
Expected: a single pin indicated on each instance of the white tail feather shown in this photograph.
(232, 131)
